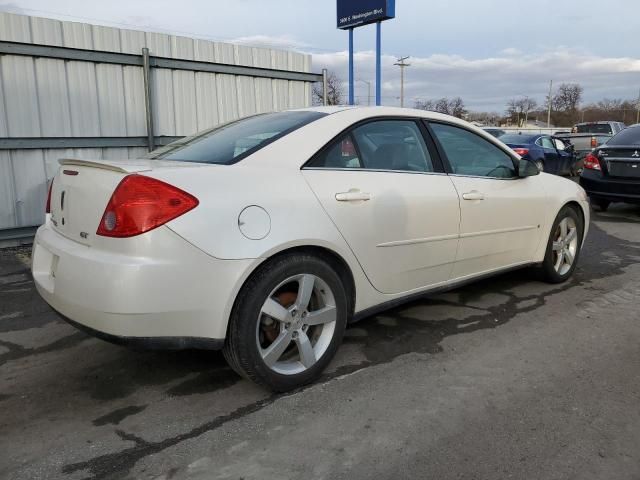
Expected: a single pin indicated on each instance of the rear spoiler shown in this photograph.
(122, 166)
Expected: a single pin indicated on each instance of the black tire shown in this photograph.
(603, 205)
(241, 349)
(540, 165)
(547, 268)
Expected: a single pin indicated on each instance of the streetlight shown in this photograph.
(400, 63)
(368, 90)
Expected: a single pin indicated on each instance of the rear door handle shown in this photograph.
(353, 196)
(473, 195)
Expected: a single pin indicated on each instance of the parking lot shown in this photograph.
(506, 378)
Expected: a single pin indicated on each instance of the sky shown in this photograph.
(485, 51)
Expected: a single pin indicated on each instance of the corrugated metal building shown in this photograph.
(52, 97)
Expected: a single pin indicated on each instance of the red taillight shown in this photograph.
(48, 207)
(140, 204)
(521, 151)
(591, 162)
(594, 142)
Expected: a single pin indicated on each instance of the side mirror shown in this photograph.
(527, 168)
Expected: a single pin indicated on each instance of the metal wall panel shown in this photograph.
(7, 192)
(30, 185)
(53, 96)
(45, 97)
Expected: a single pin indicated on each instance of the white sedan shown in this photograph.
(264, 237)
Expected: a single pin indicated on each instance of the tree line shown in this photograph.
(566, 108)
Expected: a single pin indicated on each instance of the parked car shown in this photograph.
(496, 132)
(265, 236)
(589, 135)
(550, 154)
(612, 172)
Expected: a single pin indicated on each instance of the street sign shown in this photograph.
(355, 13)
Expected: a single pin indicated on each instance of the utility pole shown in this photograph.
(638, 108)
(368, 91)
(401, 63)
(549, 101)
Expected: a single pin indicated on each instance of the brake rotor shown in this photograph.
(271, 329)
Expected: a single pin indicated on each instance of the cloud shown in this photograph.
(511, 51)
(487, 83)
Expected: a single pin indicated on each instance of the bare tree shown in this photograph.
(425, 105)
(442, 106)
(456, 107)
(335, 91)
(568, 97)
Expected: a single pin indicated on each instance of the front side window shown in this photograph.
(234, 141)
(560, 145)
(379, 145)
(470, 154)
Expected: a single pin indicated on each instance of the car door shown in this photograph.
(384, 188)
(551, 158)
(565, 158)
(501, 214)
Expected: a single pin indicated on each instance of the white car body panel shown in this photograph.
(502, 229)
(181, 279)
(406, 236)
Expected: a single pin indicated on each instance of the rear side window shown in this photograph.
(234, 141)
(379, 145)
(547, 143)
(470, 154)
(628, 136)
(594, 128)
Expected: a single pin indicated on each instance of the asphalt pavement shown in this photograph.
(505, 378)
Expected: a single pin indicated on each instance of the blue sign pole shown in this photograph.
(378, 62)
(351, 96)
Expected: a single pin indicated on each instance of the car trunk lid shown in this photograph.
(82, 188)
(622, 161)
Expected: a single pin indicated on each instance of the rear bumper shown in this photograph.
(169, 294)
(612, 189)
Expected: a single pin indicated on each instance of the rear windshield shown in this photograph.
(231, 142)
(628, 136)
(594, 128)
(515, 138)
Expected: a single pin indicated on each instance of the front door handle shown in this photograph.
(473, 195)
(353, 195)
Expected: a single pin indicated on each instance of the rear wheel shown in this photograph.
(540, 165)
(563, 246)
(287, 323)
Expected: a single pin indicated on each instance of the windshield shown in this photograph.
(594, 128)
(628, 136)
(515, 138)
(231, 142)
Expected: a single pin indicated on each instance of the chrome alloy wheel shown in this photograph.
(565, 245)
(296, 324)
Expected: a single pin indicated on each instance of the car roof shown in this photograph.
(364, 112)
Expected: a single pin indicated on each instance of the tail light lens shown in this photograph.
(594, 142)
(140, 204)
(521, 151)
(591, 162)
(48, 207)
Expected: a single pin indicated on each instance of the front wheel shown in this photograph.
(287, 323)
(603, 205)
(563, 246)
